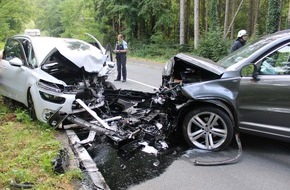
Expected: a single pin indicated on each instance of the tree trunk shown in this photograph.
(187, 23)
(196, 23)
(181, 17)
(213, 15)
(233, 16)
(206, 14)
(203, 14)
(250, 17)
(274, 12)
(220, 9)
(226, 23)
(288, 17)
(280, 20)
(255, 22)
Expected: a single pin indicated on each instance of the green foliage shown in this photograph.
(49, 19)
(12, 19)
(22, 116)
(154, 51)
(272, 24)
(213, 46)
(27, 149)
(213, 15)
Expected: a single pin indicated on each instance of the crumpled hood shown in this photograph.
(83, 55)
(203, 63)
(42, 75)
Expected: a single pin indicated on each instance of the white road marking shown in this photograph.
(143, 84)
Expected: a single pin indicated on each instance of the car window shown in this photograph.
(250, 48)
(277, 63)
(13, 48)
(244, 52)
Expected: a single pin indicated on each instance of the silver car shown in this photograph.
(47, 73)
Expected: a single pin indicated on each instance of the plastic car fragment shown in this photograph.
(224, 162)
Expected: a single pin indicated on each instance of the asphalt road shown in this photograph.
(265, 163)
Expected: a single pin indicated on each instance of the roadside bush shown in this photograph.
(213, 46)
(157, 51)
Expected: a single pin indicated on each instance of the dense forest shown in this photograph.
(151, 27)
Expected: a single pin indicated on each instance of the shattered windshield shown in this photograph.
(244, 52)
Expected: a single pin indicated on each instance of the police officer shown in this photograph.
(121, 57)
(241, 40)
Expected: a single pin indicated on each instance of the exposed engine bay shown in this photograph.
(131, 119)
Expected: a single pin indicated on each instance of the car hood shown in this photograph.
(42, 75)
(85, 56)
(199, 62)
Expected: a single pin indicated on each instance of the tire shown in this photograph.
(208, 128)
(30, 106)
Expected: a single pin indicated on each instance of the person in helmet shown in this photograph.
(240, 41)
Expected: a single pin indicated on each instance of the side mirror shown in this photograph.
(16, 62)
(111, 64)
(250, 71)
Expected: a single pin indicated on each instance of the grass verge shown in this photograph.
(27, 149)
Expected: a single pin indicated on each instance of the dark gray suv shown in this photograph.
(248, 90)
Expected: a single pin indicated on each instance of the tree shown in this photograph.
(181, 15)
(187, 14)
(256, 15)
(273, 17)
(250, 17)
(12, 19)
(49, 19)
(196, 23)
(213, 15)
(203, 13)
(232, 25)
(226, 23)
(288, 16)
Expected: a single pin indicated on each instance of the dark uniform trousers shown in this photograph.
(121, 65)
(121, 62)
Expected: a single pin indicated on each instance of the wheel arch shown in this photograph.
(36, 114)
(227, 107)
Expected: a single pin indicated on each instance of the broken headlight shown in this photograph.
(50, 86)
(52, 98)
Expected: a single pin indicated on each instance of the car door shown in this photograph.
(264, 103)
(14, 77)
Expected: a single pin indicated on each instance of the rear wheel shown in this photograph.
(207, 128)
(31, 109)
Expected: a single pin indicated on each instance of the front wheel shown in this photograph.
(208, 128)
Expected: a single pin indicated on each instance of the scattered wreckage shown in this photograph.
(135, 120)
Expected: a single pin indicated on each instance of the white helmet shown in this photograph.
(242, 33)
